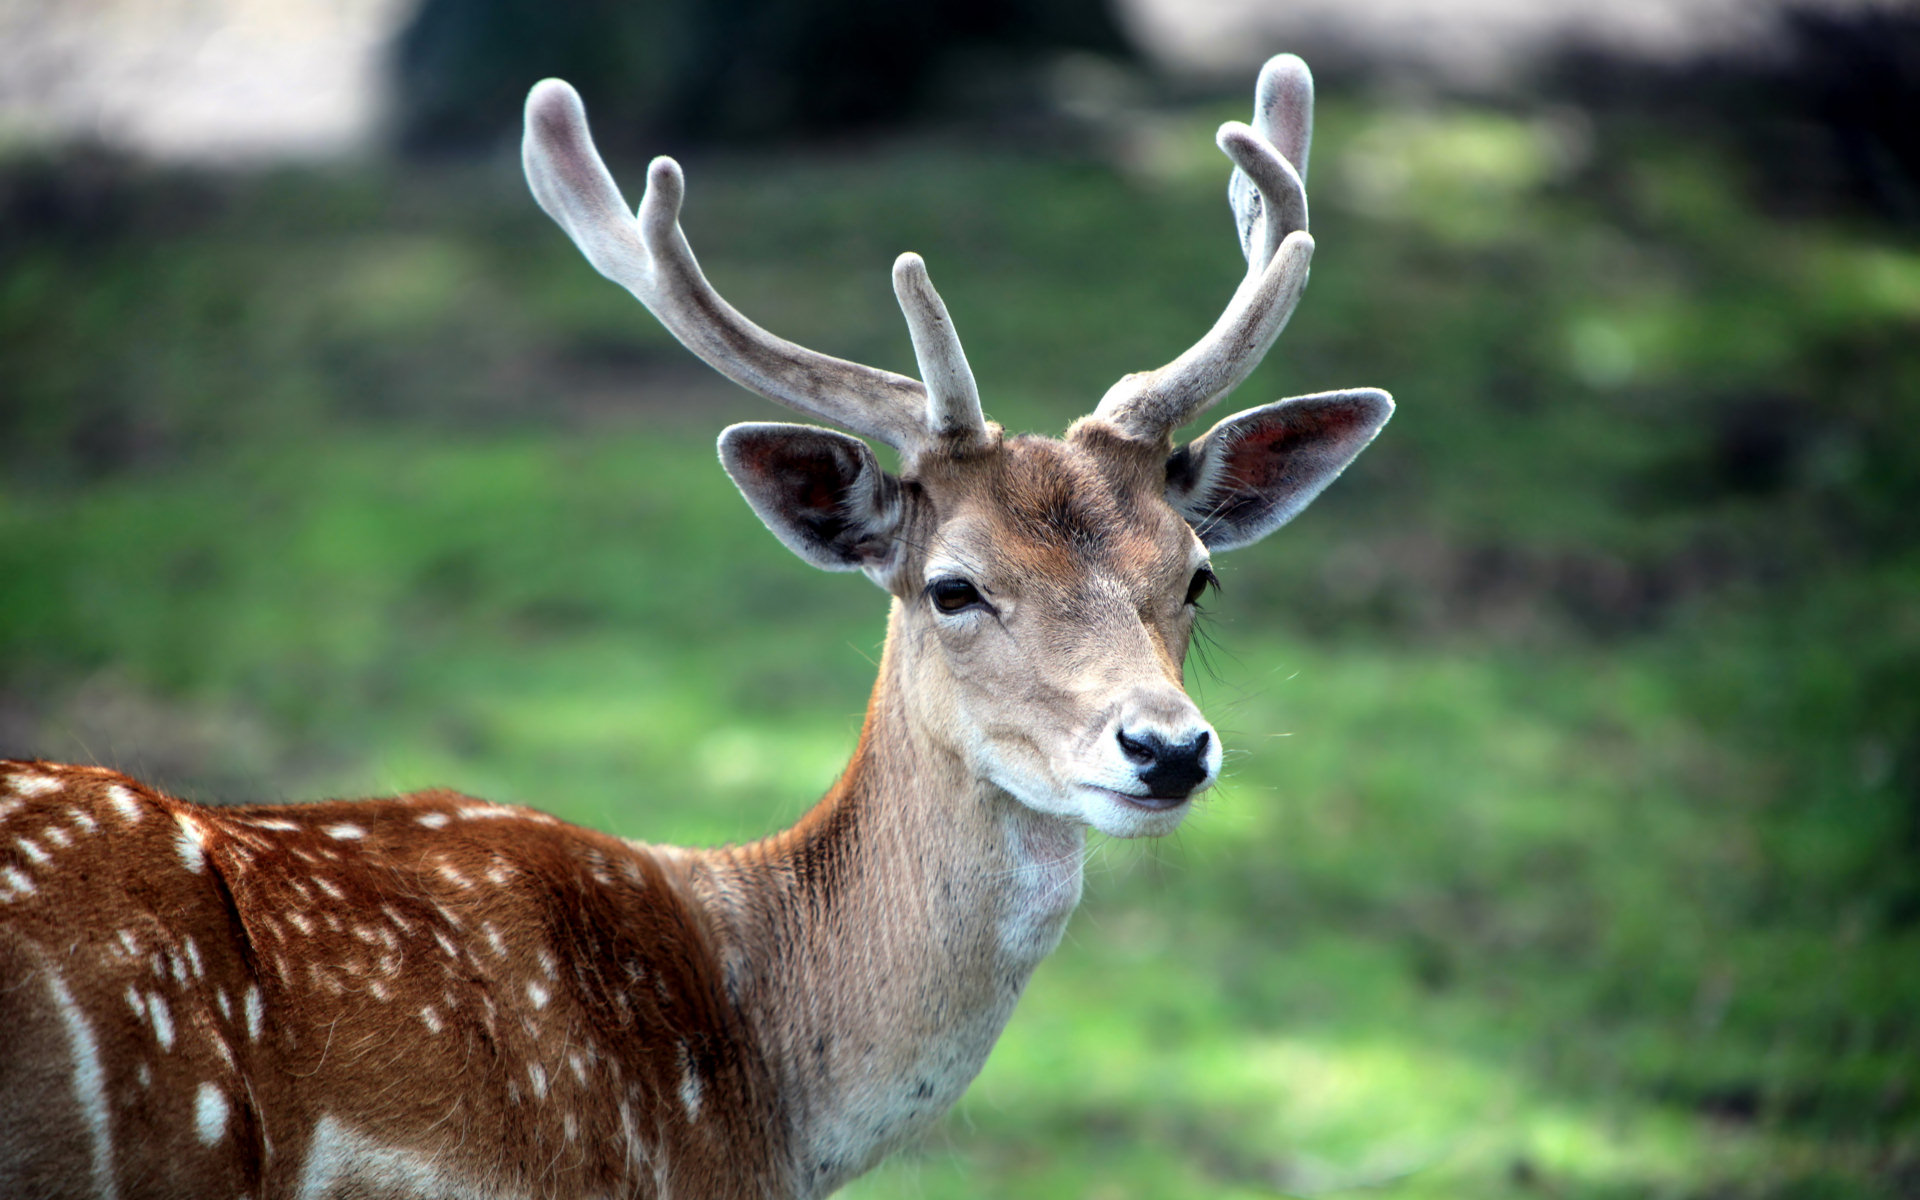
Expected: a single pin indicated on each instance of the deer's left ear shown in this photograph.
(819, 491)
(1254, 471)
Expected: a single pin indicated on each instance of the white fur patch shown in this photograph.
(209, 1114)
(124, 803)
(692, 1090)
(432, 820)
(14, 884)
(89, 1086)
(254, 1012)
(162, 1017)
(189, 843)
(345, 832)
(342, 1161)
(33, 785)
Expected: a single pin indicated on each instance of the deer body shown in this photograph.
(434, 996)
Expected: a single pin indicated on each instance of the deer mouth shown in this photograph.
(1147, 801)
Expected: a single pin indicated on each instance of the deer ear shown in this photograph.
(821, 492)
(1254, 471)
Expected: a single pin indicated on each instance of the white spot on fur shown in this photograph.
(449, 873)
(537, 1075)
(546, 962)
(499, 873)
(144, 1074)
(124, 803)
(193, 959)
(299, 921)
(275, 823)
(14, 883)
(570, 1126)
(379, 990)
(252, 1006)
(162, 1020)
(137, 1002)
(190, 842)
(431, 1018)
(578, 1064)
(691, 1089)
(537, 994)
(83, 819)
(493, 940)
(326, 885)
(487, 812)
(58, 835)
(225, 1005)
(33, 785)
(32, 850)
(89, 1086)
(345, 832)
(343, 1161)
(446, 946)
(432, 820)
(209, 1114)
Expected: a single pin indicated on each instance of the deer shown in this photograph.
(436, 996)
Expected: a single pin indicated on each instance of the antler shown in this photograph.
(649, 256)
(1269, 198)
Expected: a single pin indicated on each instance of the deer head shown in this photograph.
(1043, 590)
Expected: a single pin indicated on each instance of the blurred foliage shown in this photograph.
(671, 71)
(1821, 112)
(1572, 842)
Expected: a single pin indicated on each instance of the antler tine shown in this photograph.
(953, 400)
(1268, 195)
(650, 257)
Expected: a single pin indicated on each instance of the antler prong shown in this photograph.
(1283, 108)
(953, 399)
(1268, 194)
(648, 254)
(1281, 193)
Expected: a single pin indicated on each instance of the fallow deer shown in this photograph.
(436, 996)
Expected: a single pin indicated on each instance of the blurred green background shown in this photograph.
(1570, 844)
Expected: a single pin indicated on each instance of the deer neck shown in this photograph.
(878, 947)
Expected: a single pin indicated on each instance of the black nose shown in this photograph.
(1171, 770)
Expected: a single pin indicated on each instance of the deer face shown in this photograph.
(1045, 590)
(1045, 611)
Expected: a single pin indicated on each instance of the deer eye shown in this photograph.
(952, 594)
(1203, 579)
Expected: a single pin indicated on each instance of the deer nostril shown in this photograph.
(1168, 769)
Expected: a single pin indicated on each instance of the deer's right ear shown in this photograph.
(821, 492)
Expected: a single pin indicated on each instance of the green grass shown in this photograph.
(1571, 845)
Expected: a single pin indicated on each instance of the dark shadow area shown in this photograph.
(670, 73)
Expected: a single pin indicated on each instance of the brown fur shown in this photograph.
(522, 1003)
